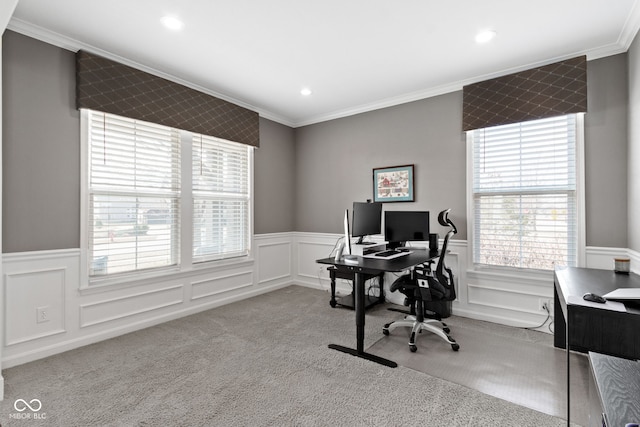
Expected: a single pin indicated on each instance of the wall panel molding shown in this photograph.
(42, 313)
(113, 309)
(281, 259)
(275, 257)
(219, 285)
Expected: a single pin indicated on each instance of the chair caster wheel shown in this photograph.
(385, 331)
(446, 330)
(413, 348)
(455, 347)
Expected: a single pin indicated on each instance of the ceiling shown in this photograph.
(354, 55)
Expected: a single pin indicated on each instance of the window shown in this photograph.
(524, 190)
(138, 191)
(134, 194)
(220, 198)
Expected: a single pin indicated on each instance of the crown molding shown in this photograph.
(592, 54)
(626, 37)
(74, 45)
(630, 27)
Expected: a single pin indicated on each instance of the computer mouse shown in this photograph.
(593, 298)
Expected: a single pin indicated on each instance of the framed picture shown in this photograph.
(393, 184)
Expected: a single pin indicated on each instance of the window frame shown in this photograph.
(185, 225)
(580, 209)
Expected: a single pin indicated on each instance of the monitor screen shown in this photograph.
(367, 219)
(347, 233)
(405, 226)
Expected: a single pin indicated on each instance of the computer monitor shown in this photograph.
(366, 220)
(347, 233)
(405, 226)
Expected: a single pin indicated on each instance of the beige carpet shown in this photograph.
(259, 362)
(514, 364)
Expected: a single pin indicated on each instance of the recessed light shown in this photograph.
(172, 23)
(305, 91)
(485, 36)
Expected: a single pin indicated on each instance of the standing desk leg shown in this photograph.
(359, 308)
(360, 321)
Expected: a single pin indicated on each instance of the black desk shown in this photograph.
(368, 266)
(583, 327)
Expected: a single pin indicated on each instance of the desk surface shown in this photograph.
(575, 282)
(375, 265)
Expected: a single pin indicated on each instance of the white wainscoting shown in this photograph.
(46, 312)
(509, 299)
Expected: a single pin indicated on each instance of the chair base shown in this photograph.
(418, 326)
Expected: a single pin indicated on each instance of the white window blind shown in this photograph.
(524, 194)
(134, 195)
(220, 199)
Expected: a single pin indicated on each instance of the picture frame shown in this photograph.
(393, 184)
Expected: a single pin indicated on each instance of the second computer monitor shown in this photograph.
(367, 220)
(405, 226)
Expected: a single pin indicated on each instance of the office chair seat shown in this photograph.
(416, 320)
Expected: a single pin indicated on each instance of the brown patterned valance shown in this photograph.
(111, 87)
(552, 90)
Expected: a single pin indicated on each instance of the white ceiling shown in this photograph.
(355, 55)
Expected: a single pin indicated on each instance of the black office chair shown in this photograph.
(428, 294)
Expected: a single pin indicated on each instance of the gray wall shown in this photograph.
(335, 158)
(634, 145)
(335, 161)
(305, 178)
(41, 153)
(41, 147)
(275, 179)
(606, 152)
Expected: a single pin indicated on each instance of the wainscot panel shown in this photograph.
(215, 286)
(132, 304)
(274, 255)
(42, 312)
(46, 284)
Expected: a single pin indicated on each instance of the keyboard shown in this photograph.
(389, 253)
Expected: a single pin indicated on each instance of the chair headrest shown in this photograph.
(443, 219)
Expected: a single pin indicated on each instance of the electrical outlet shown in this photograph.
(544, 305)
(42, 314)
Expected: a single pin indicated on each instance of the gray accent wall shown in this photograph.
(634, 145)
(41, 153)
(606, 152)
(275, 179)
(335, 161)
(41, 147)
(306, 177)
